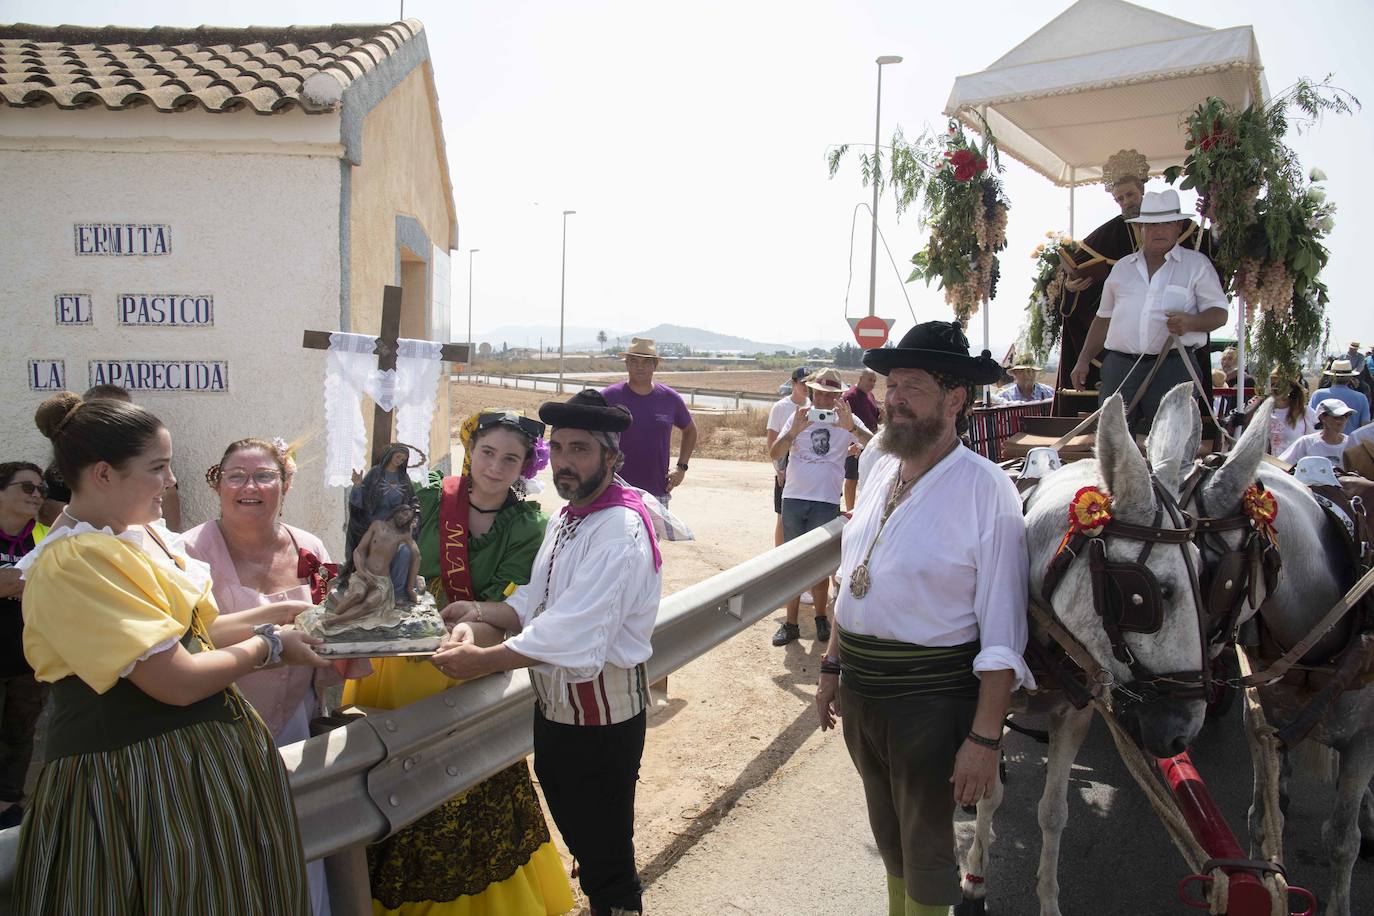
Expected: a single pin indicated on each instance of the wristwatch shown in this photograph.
(268, 631)
(682, 465)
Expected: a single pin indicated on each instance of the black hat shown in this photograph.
(936, 346)
(800, 373)
(586, 410)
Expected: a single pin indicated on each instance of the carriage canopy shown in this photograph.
(1106, 75)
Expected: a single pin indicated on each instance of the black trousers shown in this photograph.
(588, 774)
(21, 706)
(1125, 373)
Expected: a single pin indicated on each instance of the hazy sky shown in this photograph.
(691, 137)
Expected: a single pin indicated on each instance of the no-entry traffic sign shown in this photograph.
(871, 331)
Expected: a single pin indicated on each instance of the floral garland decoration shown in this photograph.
(1044, 310)
(965, 209)
(1271, 217)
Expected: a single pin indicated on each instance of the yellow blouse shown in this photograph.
(94, 604)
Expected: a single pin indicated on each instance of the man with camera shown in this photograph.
(816, 441)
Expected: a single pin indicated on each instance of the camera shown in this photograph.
(818, 415)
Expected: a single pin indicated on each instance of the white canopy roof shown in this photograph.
(1106, 75)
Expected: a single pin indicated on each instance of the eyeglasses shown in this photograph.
(29, 487)
(238, 479)
(532, 428)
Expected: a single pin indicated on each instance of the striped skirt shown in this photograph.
(198, 820)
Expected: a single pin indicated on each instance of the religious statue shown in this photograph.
(378, 605)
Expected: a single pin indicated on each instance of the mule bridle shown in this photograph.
(1127, 598)
(1236, 575)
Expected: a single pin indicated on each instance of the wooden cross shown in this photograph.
(387, 345)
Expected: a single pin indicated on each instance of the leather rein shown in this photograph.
(1127, 598)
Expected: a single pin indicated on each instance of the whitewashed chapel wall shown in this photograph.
(253, 259)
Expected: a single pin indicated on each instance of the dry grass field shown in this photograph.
(737, 435)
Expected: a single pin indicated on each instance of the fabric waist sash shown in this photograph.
(612, 697)
(882, 669)
(86, 722)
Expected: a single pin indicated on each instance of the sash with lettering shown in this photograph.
(453, 540)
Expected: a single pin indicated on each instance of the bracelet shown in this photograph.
(682, 465)
(268, 632)
(988, 743)
(830, 665)
(478, 605)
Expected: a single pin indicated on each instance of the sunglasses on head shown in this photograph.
(29, 487)
(532, 428)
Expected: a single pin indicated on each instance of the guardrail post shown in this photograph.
(345, 872)
(738, 395)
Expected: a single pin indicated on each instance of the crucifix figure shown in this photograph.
(404, 377)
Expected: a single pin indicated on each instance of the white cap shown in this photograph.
(1334, 407)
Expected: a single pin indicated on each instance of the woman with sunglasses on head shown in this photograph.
(488, 850)
(258, 560)
(21, 495)
(162, 791)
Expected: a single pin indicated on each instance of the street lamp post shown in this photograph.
(562, 296)
(877, 136)
(472, 351)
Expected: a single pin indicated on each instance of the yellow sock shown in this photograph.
(899, 904)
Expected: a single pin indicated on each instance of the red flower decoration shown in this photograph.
(1262, 508)
(1089, 512)
(967, 164)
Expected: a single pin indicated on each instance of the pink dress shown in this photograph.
(288, 697)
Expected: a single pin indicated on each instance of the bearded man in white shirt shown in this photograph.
(583, 627)
(930, 622)
(1162, 289)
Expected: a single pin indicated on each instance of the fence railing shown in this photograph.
(387, 768)
(512, 380)
(989, 427)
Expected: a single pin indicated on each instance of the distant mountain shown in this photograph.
(700, 339)
(582, 338)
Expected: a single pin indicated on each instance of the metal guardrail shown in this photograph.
(500, 378)
(362, 782)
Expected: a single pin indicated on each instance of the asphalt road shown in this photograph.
(800, 843)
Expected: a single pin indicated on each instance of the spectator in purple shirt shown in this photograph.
(656, 409)
(860, 399)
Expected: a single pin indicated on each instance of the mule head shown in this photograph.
(1164, 726)
(1174, 437)
(1222, 491)
(1124, 470)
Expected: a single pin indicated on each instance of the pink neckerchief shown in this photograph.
(616, 495)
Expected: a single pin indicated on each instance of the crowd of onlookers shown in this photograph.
(1329, 418)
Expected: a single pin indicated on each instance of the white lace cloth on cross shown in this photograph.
(410, 390)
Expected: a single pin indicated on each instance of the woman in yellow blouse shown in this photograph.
(162, 791)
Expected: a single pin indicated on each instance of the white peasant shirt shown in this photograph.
(602, 599)
(951, 565)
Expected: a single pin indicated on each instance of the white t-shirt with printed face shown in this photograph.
(815, 463)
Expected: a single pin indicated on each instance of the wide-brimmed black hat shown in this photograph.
(586, 410)
(936, 346)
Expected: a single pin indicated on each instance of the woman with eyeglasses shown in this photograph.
(161, 790)
(21, 495)
(488, 850)
(258, 560)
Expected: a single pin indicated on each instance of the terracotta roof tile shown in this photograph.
(263, 69)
